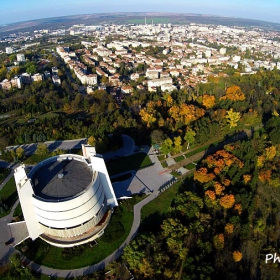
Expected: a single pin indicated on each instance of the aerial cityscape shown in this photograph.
(140, 141)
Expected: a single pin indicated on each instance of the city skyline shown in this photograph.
(14, 11)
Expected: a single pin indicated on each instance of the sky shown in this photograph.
(18, 10)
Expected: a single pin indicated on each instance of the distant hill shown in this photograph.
(126, 18)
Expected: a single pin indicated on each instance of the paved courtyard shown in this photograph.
(145, 180)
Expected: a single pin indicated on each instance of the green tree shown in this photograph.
(157, 136)
(16, 270)
(177, 144)
(189, 137)
(31, 69)
(166, 146)
(42, 149)
(20, 153)
(92, 141)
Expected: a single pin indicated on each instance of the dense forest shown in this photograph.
(224, 220)
(193, 115)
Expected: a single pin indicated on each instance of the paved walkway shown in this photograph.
(5, 235)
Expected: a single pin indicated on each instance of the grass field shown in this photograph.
(161, 157)
(179, 158)
(175, 174)
(154, 213)
(33, 159)
(4, 172)
(190, 166)
(8, 195)
(133, 162)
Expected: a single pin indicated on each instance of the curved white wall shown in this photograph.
(73, 212)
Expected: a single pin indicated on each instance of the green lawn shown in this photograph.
(133, 162)
(4, 172)
(161, 157)
(8, 195)
(175, 174)
(187, 155)
(179, 158)
(33, 159)
(84, 255)
(154, 213)
(164, 164)
(190, 166)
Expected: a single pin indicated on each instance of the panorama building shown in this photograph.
(66, 200)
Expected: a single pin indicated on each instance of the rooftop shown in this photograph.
(61, 179)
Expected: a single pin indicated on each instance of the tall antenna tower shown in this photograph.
(145, 20)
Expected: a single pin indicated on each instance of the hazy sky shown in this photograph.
(18, 10)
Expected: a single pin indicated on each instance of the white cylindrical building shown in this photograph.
(72, 199)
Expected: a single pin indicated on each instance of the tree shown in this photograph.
(233, 118)
(219, 241)
(270, 152)
(92, 141)
(229, 228)
(166, 146)
(208, 101)
(3, 73)
(234, 93)
(20, 153)
(189, 137)
(104, 80)
(13, 72)
(177, 144)
(237, 256)
(157, 136)
(203, 176)
(147, 116)
(31, 68)
(16, 270)
(42, 149)
(227, 201)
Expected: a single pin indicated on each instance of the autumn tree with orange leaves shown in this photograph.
(234, 93)
(229, 228)
(203, 176)
(186, 113)
(227, 201)
(208, 101)
(237, 256)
